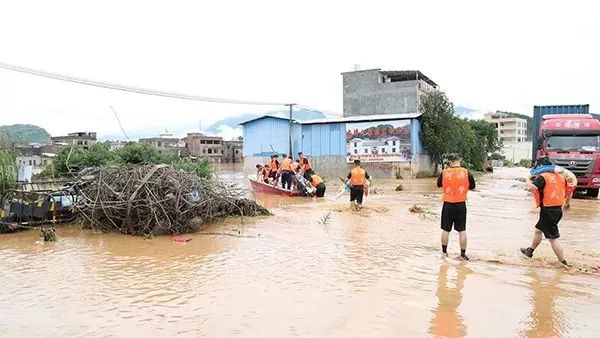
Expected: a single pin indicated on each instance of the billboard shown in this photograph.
(383, 141)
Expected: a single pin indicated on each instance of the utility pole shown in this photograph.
(291, 150)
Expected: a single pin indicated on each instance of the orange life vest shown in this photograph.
(315, 180)
(358, 176)
(555, 191)
(286, 164)
(305, 166)
(273, 165)
(455, 185)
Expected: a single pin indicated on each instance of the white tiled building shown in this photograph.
(510, 129)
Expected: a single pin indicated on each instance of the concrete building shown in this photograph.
(165, 143)
(232, 151)
(199, 145)
(377, 92)
(78, 139)
(517, 151)
(510, 129)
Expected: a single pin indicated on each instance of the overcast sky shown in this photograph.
(487, 55)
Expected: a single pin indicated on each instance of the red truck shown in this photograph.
(572, 141)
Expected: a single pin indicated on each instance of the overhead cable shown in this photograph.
(132, 89)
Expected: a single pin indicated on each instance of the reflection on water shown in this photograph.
(545, 319)
(373, 273)
(447, 322)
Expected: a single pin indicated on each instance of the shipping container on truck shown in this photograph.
(570, 137)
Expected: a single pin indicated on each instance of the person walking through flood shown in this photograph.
(317, 182)
(550, 189)
(358, 179)
(455, 182)
(286, 172)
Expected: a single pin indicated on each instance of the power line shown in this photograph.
(147, 91)
(131, 89)
(119, 122)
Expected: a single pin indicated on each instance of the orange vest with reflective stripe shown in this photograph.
(286, 165)
(554, 191)
(357, 176)
(273, 165)
(455, 185)
(315, 180)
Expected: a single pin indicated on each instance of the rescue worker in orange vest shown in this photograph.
(286, 172)
(358, 179)
(307, 169)
(317, 182)
(455, 182)
(273, 167)
(296, 168)
(552, 190)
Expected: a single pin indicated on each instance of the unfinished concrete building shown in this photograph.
(377, 92)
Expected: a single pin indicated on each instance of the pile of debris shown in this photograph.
(156, 199)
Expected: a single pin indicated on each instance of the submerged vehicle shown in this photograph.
(22, 209)
(572, 141)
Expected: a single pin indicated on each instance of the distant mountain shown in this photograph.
(24, 133)
(229, 123)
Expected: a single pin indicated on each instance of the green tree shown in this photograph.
(437, 124)
(8, 170)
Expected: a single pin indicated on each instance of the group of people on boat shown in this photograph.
(293, 174)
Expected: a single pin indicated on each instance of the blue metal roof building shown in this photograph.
(266, 135)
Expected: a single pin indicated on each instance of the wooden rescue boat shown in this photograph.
(266, 188)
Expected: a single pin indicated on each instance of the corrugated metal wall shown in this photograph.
(261, 134)
(324, 139)
(415, 141)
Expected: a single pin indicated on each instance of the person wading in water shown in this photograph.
(358, 179)
(551, 190)
(455, 182)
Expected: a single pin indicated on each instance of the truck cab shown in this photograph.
(572, 141)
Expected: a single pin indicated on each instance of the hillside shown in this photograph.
(24, 133)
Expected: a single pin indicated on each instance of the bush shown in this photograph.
(8, 169)
(202, 169)
(525, 163)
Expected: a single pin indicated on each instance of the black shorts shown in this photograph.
(320, 189)
(454, 214)
(272, 174)
(548, 223)
(308, 173)
(356, 193)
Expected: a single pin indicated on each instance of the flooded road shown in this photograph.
(376, 273)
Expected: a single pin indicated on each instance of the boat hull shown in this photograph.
(265, 188)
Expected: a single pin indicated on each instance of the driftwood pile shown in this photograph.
(156, 200)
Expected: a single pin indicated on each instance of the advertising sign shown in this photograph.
(387, 141)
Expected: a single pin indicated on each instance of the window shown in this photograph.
(34, 162)
(79, 143)
(382, 150)
(356, 151)
(501, 124)
(204, 150)
(209, 142)
(366, 151)
(202, 141)
(217, 142)
(85, 142)
(393, 150)
(29, 162)
(159, 143)
(45, 162)
(355, 144)
(393, 143)
(237, 151)
(209, 150)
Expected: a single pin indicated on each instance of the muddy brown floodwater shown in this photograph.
(376, 273)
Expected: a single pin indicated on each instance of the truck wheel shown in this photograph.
(592, 192)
